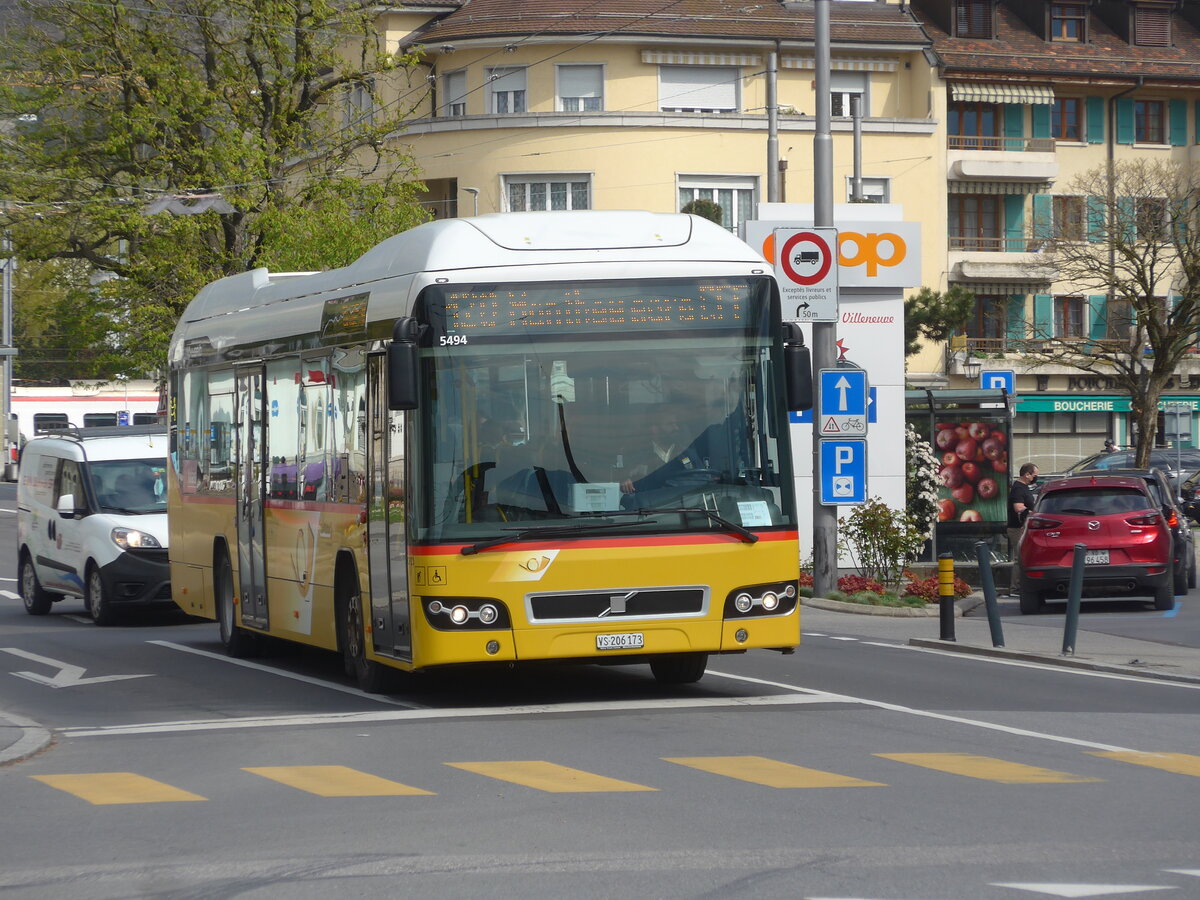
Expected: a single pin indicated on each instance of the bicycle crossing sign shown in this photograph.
(842, 403)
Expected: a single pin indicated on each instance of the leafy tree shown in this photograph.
(705, 209)
(935, 316)
(269, 123)
(1135, 244)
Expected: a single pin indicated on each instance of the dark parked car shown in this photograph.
(1179, 465)
(1130, 548)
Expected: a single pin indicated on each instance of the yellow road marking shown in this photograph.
(336, 781)
(769, 772)
(1179, 763)
(547, 776)
(987, 768)
(107, 788)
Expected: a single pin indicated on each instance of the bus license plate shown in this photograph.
(1096, 558)
(630, 641)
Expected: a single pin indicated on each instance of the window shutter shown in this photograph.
(579, 81)
(1095, 120)
(1126, 224)
(1098, 317)
(1125, 120)
(1014, 122)
(1041, 120)
(1014, 223)
(455, 87)
(698, 88)
(1043, 216)
(1016, 317)
(1152, 26)
(1177, 122)
(1095, 219)
(1043, 316)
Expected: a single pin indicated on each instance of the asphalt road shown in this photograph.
(857, 768)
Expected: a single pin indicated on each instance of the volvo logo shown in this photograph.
(1093, 525)
(618, 604)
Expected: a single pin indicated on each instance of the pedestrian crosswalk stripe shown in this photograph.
(336, 781)
(108, 788)
(769, 772)
(547, 776)
(1179, 763)
(986, 768)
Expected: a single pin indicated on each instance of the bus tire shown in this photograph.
(679, 668)
(37, 599)
(370, 676)
(98, 606)
(238, 642)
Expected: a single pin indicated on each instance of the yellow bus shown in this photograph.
(530, 436)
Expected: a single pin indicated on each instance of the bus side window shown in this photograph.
(285, 424)
(348, 433)
(218, 439)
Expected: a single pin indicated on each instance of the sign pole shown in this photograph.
(824, 334)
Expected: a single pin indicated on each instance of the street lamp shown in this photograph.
(971, 368)
(474, 192)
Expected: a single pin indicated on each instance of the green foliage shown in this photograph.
(706, 209)
(935, 316)
(260, 104)
(879, 539)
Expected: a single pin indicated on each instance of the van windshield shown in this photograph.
(137, 486)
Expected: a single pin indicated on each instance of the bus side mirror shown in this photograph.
(797, 363)
(402, 364)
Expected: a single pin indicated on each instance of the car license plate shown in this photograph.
(1096, 558)
(629, 641)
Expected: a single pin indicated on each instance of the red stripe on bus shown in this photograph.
(659, 540)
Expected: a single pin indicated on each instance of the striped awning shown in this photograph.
(989, 92)
(841, 64)
(687, 58)
(997, 187)
(1002, 288)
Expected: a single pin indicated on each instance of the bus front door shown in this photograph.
(386, 541)
(250, 496)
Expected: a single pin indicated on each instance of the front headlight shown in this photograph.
(132, 539)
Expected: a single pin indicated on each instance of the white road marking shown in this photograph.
(1083, 890)
(10, 595)
(1195, 873)
(68, 675)
(409, 715)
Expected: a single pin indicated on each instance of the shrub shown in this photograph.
(805, 580)
(879, 539)
(856, 584)
(927, 588)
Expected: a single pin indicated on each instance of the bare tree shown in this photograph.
(1126, 237)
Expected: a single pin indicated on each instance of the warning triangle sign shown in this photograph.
(830, 426)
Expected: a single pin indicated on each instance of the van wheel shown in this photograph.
(97, 604)
(679, 668)
(238, 642)
(352, 635)
(37, 600)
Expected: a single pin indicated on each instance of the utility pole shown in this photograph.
(773, 126)
(8, 431)
(824, 334)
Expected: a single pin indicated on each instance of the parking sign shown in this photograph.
(843, 472)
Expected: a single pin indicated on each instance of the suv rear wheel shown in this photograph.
(1031, 602)
(1164, 595)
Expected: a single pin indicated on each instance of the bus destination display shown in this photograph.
(514, 309)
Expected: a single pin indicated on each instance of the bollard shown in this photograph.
(1074, 592)
(946, 595)
(988, 583)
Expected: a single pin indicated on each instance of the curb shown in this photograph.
(1070, 662)
(34, 738)
(962, 606)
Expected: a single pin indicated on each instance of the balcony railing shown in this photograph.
(996, 244)
(1001, 144)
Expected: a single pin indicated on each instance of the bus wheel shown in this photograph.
(679, 668)
(37, 599)
(238, 642)
(370, 675)
(97, 604)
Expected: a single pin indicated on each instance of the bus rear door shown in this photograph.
(251, 496)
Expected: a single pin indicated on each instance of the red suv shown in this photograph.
(1128, 540)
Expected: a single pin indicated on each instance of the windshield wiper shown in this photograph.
(743, 534)
(544, 531)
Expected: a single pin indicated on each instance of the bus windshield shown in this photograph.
(634, 406)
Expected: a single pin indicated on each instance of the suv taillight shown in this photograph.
(1147, 519)
(1038, 523)
(1172, 520)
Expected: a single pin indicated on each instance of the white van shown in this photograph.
(92, 519)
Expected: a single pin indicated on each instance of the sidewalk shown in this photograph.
(20, 738)
(1036, 643)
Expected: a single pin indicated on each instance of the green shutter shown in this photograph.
(1041, 120)
(1095, 219)
(1014, 223)
(1016, 317)
(1014, 126)
(1125, 120)
(1126, 223)
(1043, 217)
(1043, 316)
(1098, 317)
(1177, 122)
(1095, 120)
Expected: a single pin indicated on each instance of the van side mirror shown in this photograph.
(66, 506)
(797, 364)
(402, 364)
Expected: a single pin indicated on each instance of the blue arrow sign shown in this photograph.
(843, 392)
(805, 417)
(843, 472)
